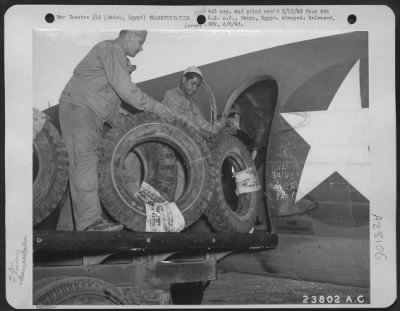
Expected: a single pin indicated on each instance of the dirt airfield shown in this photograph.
(233, 288)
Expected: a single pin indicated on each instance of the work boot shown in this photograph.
(103, 225)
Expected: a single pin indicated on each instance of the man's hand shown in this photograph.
(233, 123)
(163, 111)
(123, 111)
(221, 126)
(220, 123)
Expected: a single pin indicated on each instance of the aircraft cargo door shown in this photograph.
(253, 104)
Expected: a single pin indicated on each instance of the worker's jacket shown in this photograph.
(186, 108)
(101, 80)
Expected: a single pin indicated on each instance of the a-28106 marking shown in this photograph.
(377, 230)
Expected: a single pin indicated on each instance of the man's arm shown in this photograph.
(203, 124)
(120, 81)
(170, 101)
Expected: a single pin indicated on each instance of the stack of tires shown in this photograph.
(162, 148)
(50, 169)
(170, 156)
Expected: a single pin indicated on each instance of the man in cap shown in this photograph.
(91, 98)
(253, 123)
(180, 101)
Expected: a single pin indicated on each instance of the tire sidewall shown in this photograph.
(141, 128)
(49, 186)
(220, 214)
(54, 293)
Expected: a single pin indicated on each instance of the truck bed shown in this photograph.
(86, 242)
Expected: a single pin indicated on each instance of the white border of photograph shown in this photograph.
(22, 20)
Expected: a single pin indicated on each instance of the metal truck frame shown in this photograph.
(132, 267)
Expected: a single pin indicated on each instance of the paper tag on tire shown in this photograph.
(247, 181)
(161, 215)
(164, 217)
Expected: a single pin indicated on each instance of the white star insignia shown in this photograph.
(338, 138)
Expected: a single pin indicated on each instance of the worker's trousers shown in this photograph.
(81, 131)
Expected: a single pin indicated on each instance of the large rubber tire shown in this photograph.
(38, 285)
(154, 163)
(131, 132)
(50, 172)
(78, 291)
(227, 211)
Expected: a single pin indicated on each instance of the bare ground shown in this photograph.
(233, 288)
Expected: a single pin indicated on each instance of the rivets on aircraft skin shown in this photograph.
(39, 240)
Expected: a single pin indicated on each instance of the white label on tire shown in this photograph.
(161, 215)
(247, 181)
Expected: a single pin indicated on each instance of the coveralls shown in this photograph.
(91, 97)
(185, 107)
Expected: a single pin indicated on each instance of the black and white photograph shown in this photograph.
(230, 158)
